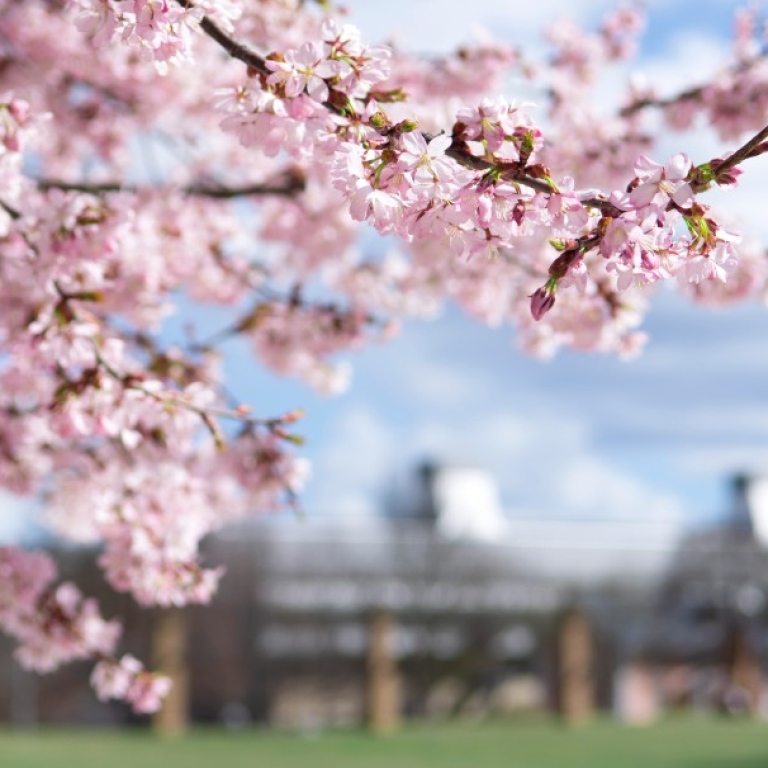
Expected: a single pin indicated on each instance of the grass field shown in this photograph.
(683, 744)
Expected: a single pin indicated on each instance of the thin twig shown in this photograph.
(689, 94)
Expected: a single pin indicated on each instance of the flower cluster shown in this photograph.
(161, 28)
(127, 680)
(54, 625)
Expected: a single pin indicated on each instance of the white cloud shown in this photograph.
(353, 465)
(723, 459)
(442, 25)
(689, 57)
(443, 384)
(590, 486)
(543, 463)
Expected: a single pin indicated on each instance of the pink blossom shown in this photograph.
(305, 69)
(659, 184)
(113, 679)
(147, 692)
(127, 679)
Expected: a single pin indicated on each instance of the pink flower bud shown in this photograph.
(542, 300)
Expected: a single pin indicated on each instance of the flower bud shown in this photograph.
(542, 300)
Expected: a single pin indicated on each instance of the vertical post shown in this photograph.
(576, 683)
(169, 647)
(383, 676)
(745, 673)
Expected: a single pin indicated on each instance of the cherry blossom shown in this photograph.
(160, 156)
(127, 679)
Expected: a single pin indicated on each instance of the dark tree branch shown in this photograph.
(288, 185)
(232, 47)
(751, 149)
(10, 210)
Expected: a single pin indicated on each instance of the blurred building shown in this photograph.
(475, 602)
(708, 634)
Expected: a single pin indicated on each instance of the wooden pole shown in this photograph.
(383, 676)
(576, 684)
(169, 647)
(745, 672)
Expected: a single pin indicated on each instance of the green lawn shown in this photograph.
(683, 744)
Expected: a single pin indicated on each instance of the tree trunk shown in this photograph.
(575, 668)
(169, 647)
(383, 676)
